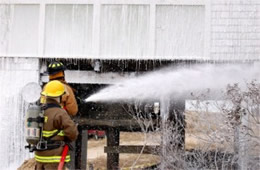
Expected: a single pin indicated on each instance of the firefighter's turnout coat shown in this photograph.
(69, 101)
(56, 121)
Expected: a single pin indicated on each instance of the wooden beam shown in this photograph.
(104, 2)
(135, 149)
(107, 122)
(81, 149)
(92, 77)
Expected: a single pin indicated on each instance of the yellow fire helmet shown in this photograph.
(53, 89)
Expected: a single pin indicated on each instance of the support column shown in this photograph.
(81, 149)
(241, 139)
(164, 113)
(173, 134)
(112, 140)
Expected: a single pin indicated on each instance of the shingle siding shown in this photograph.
(235, 29)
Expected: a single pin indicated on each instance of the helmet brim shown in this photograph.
(52, 95)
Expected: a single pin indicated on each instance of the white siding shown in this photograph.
(108, 29)
(180, 31)
(124, 30)
(19, 29)
(205, 29)
(14, 74)
(235, 29)
(68, 30)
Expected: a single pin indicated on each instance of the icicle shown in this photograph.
(13, 76)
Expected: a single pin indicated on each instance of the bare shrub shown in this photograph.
(226, 138)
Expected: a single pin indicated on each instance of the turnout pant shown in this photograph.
(47, 166)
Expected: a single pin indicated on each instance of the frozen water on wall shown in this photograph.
(18, 35)
(124, 30)
(14, 74)
(68, 30)
(4, 29)
(19, 30)
(180, 30)
(117, 31)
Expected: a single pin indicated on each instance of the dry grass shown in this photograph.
(209, 130)
(198, 128)
(203, 121)
(127, 161)
(92, 143)
(97, 157)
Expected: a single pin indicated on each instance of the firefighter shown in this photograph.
(56, 72)
(58, 128)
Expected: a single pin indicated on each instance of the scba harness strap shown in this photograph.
(49, 145)
(37, 119)
(50, 105)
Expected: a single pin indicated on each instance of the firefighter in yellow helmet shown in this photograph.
(58, 128)
(56, 72)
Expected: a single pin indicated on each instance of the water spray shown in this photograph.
(178, 83)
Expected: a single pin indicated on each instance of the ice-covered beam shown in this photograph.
(164, 2)
(91, 77)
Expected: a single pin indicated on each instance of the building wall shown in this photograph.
(103, 29)
(131, 29)
(235, 29)
(15, 73)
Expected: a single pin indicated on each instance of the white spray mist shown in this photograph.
(178, 83)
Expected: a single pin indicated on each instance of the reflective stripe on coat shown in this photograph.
(50, 159)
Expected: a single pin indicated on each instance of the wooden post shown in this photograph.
(241, 141)
(164, 113)
(173, 134)
(177, 119)
(241, 138)
(81, 149)
(112, 140)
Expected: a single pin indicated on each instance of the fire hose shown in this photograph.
(63, 157)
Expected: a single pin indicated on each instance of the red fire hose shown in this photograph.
(63, 157)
